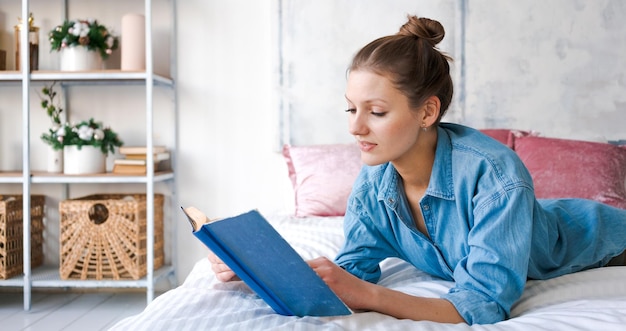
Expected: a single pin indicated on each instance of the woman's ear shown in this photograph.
(432, 108)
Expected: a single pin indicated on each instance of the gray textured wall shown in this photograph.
(556, 67)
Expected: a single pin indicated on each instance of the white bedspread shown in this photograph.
(589, 300)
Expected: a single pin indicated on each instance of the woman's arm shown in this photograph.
(362, 295)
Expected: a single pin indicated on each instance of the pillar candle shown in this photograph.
(133, 42)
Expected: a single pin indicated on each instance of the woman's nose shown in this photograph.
(356, 125)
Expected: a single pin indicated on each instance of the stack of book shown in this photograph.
(135, 158)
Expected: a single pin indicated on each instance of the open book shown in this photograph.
(262, 258)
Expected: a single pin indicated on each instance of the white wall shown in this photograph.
(228, 119)
(555, 67)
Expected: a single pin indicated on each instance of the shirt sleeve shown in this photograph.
(491, 278)
(362, 257)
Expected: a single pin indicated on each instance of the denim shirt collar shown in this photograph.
(441, 184)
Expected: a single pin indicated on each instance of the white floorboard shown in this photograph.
(117, 306)
(68, 311)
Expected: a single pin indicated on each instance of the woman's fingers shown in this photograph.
(222, 272)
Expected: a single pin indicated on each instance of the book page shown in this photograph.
(196, 217)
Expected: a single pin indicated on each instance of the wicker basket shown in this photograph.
(104, 236)
(11, 234)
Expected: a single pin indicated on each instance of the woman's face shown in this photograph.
(380, 118)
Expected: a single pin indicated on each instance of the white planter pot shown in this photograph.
(87, 160)
(79, 58)
(55, 160)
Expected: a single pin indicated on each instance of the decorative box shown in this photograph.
(104, 236)
(11, 234)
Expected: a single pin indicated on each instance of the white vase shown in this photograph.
(79, 58)
(86, 160)
(55, 160)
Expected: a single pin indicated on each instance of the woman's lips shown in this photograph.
(366, 146)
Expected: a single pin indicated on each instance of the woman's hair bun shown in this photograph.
(424, 28)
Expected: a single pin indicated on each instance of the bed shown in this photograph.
(589, 300)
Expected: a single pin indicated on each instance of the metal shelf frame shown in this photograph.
(45, 277)
(48, 277)
(108, 178)
(91, 77)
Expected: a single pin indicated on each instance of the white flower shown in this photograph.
(80, 29)
(75, 30)
(85, 132)
(110, 41)
(98, 134)
(60, 134)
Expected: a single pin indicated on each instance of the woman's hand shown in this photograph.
(221, 270)
(354, 292)
(362, 295)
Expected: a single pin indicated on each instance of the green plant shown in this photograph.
(88, 33)
(83, 133)
(53, 110)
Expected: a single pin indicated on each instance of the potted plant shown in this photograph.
(85, 144)
(83, 44)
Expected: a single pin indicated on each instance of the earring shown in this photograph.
(424, 127)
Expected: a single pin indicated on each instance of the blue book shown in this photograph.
(262, 258)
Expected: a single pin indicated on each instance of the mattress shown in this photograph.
(589, 300)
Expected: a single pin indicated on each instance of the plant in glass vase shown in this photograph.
(55, 155)
(54, 112)
(87, 136)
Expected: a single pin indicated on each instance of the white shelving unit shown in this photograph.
(46, 276)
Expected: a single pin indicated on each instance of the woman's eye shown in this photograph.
(374, 113)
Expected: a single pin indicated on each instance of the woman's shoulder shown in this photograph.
(472, 149)
(465, 135)
(466, 139)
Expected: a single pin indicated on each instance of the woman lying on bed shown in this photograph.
(446, 198)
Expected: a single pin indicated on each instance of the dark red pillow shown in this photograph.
(563, 168)
(505, 136)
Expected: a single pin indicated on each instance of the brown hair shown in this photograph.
(412, 62)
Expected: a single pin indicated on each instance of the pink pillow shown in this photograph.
(563, 168)
(322, 177)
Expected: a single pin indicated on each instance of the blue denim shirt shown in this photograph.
(487, 232)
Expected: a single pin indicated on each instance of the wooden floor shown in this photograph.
(51, 311)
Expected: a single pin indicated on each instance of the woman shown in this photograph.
(446, 198)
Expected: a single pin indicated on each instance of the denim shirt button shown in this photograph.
(426, 207)
(390, 200)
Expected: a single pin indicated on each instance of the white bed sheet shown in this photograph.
(589, 300)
